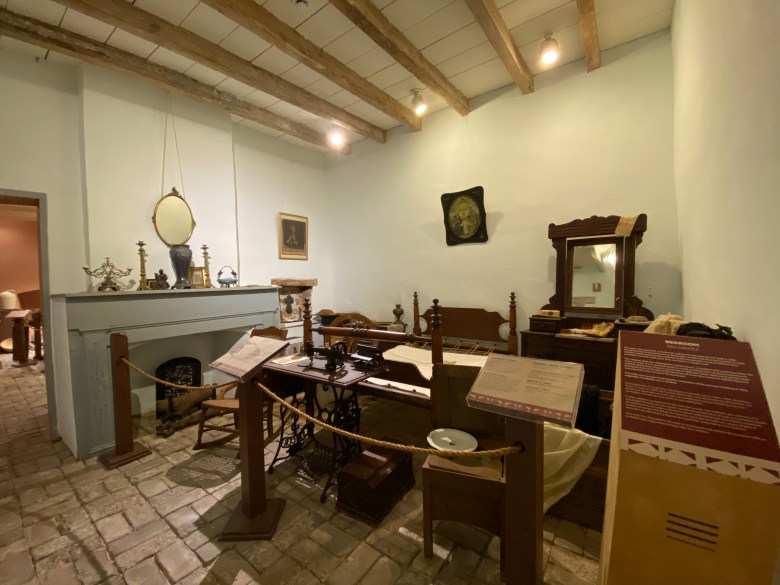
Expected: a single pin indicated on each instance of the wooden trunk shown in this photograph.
(372, 483)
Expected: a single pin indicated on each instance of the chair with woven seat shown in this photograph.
(221, 404)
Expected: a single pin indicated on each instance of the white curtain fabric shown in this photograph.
(567, 454)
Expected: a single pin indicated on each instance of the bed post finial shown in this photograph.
(307, 337)
(437, 346)
(416, 315)
(512, 342)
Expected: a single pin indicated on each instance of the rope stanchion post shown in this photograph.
(256, 516)
(125, 449)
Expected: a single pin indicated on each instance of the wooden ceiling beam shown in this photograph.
(371, 21)
(492, 23)
(263, 23)
(159, 31)
(74, 45)
(590, 33)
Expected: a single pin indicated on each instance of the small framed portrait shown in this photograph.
(293, 237)
(197, 276)
(464, 216)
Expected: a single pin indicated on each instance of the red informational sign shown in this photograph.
(702, 392)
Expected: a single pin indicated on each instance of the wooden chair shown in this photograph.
(220, 404)
(465, 490)
(503, 496)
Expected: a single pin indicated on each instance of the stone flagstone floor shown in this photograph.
(156, 520)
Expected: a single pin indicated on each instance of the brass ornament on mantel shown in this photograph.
(143, 283)
(109, 273)
(206, 273)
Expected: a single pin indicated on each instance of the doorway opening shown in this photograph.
(24, 272)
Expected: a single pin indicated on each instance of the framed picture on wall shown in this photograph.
(464, 216)
(293, 237)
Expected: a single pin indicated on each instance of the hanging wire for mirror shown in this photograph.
(465, 139)
(169, 111)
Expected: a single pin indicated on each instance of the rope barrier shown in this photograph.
(355, 437)
(227, 385)
(397, 446)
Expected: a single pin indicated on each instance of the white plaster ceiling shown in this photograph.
(443, 30)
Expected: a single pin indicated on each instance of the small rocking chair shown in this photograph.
(223, 405)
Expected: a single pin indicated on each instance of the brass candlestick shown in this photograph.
(143, 284)
(206, 275)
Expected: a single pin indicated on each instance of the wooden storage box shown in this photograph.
(546, 324)
(372, 483)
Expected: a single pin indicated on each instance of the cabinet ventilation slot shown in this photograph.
(691, 531)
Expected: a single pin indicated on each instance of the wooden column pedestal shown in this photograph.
(255, 516)
(21, 338)
(125, 449)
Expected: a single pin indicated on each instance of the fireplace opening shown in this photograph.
(177, 408)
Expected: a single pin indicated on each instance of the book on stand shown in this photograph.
(528, 388)
(246, 360)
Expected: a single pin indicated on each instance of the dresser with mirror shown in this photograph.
(594, 282)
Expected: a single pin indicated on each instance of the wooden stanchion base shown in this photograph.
(111, 459)
(260, 527)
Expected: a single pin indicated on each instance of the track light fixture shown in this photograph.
(418, 102)
(336, 138)
(549, 50)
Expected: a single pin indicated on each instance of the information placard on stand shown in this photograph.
(527, 388)
(694, 472)
(245, 360)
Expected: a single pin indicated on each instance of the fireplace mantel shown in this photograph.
(82, 324)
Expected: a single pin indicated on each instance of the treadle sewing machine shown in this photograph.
(334, 355)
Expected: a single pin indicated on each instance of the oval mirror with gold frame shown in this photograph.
(173, 219)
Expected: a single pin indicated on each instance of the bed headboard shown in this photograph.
(470, 323)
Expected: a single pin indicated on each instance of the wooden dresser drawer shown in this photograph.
(597, 355)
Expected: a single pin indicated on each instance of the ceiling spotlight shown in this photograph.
(549, 50)
(301, 3)
(418, 102)
(336, 138)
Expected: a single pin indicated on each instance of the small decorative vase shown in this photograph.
(181, 255)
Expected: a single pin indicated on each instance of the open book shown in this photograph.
(244, 361)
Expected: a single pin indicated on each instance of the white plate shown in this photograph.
(451, 440)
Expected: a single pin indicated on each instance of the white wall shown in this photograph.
(272, 177)
(580, 145)
(727, 148)
(40, 151)
(124, 135)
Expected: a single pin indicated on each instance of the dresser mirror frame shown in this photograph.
(600, 230)
(615, 307)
